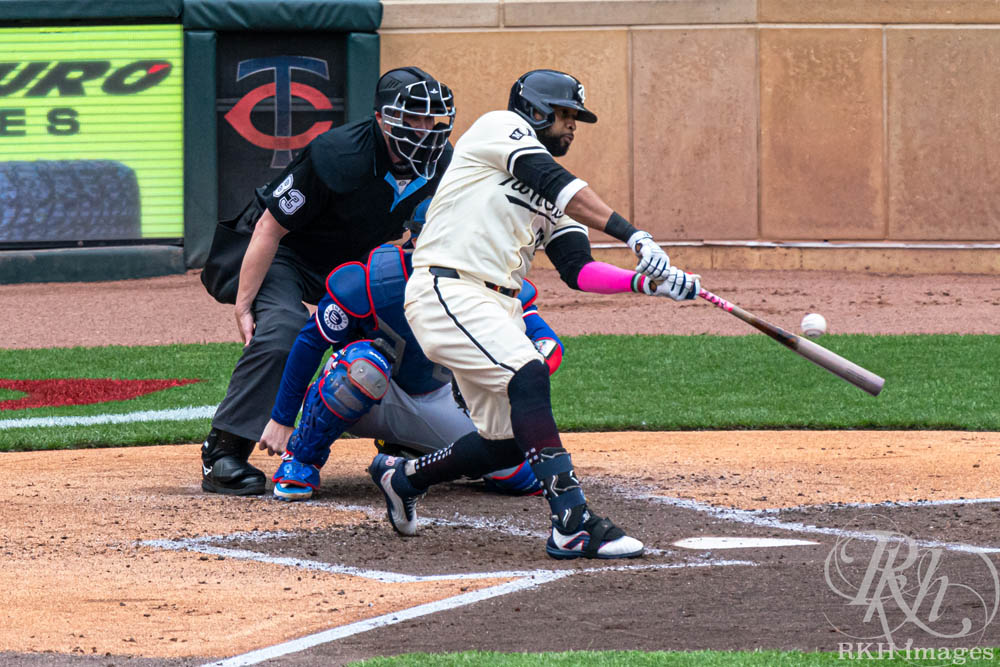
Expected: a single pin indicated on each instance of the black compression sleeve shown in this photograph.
(569, 253)
(619, 227)
(542, 174)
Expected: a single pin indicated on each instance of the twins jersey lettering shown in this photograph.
(497, 246)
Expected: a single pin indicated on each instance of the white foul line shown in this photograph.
(170, 415)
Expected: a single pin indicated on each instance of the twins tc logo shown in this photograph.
(282, 90)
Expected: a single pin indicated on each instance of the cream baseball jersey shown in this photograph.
(485, 222)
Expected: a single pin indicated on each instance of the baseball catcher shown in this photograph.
(378, 383)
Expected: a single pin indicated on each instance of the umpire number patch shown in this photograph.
(285, 186)
(291, 202)
(335, 318)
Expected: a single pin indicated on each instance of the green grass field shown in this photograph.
(672, 659)
(605, 383)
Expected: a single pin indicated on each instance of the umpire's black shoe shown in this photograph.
(224, 467)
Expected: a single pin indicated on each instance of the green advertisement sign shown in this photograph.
(91, 133)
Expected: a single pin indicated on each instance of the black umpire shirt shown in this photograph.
(340, 198)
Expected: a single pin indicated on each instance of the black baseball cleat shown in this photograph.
(590, 537)
(224, 466)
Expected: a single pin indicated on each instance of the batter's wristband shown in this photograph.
(619, 227)
(638, 280)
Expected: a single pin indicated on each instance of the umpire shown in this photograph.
(351, 189)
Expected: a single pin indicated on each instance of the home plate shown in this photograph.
(739, 542)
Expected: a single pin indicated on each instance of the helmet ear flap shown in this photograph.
(543, 89)
(525, 102)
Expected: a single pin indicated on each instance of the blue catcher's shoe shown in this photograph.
(592, 537)
(294, 480)
(401, 496)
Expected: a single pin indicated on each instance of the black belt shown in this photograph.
(445, 272)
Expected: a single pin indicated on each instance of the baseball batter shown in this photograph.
(377, 384)
(502, 198)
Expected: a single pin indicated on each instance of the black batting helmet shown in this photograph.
(404, 93)
(542, 89)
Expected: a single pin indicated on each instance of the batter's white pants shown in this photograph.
(478, 334)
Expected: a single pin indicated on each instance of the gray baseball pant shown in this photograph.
(280, 315)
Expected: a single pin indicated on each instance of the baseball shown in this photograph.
(813, 325)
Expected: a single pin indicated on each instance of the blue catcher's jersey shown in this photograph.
(365, 301)
(388, 270)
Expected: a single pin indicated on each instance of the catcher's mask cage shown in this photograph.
(543, 89)
(417, 116)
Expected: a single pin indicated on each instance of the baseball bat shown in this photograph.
(836, 364)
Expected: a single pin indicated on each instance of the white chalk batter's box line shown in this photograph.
(521, 580)
(533, 579)
(765, 518)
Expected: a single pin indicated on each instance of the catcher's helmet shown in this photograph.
(408, 92)
(542, 89)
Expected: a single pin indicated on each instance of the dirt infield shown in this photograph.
(121, 560)
(120, 564)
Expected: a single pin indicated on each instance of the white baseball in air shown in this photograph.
(813, 325)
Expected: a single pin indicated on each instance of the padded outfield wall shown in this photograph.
(843, 134)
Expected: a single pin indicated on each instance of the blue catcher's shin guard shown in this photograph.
(350, 387)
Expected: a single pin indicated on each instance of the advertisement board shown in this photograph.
(274, 96)
(91, 134)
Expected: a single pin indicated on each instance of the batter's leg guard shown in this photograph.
(224, 467)
(576, 531)
(350, 387)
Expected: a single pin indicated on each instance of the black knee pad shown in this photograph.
(531, 409)
(529, 388)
